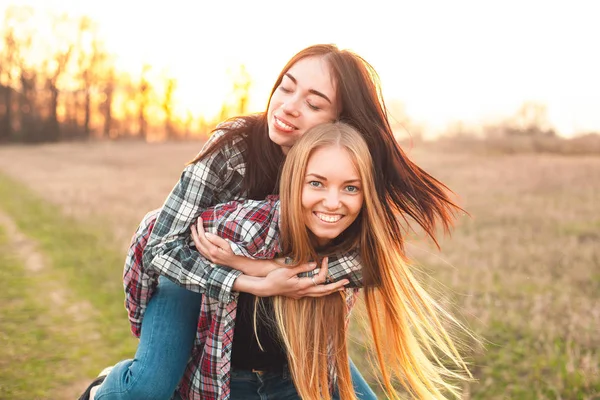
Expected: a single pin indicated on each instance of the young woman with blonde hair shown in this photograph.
(329, 204)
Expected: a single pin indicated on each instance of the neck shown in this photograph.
(319, 243)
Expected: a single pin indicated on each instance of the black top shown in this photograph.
(246, 354)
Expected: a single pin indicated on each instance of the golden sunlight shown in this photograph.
(441, 64)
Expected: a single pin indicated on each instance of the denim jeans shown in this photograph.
(168, 331)
(248, 385)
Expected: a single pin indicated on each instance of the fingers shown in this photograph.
(204, 246)
(321, 277)
(197, 239)
(314, 286)
(298, 269)
(218, 241)
(325, 290)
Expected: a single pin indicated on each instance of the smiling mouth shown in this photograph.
(279, 124)
(328, 218)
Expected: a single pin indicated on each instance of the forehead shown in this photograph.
(332, 160)
(314, 73)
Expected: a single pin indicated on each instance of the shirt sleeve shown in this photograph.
(346, 266)
(139, 284)
(251, 227)
(214, 179)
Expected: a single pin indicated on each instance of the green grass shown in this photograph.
(34, 353)
(42, 346)
(518, 365)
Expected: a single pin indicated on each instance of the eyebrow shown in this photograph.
(324, 179)
(313, 91)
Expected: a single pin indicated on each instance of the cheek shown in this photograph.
(274, 104)
(357, 206)
(309, 199)
(305, 201)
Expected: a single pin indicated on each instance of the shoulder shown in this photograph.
(238, 125)
(226, 142)
(255, 210)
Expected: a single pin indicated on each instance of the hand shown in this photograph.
(285, 281)
(212, 247)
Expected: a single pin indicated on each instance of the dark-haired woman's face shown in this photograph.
(305, 98)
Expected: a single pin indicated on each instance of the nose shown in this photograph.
(331, 200)
(290, 107)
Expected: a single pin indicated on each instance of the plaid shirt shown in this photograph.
(251, 228)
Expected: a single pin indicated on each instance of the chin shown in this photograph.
(274, 138)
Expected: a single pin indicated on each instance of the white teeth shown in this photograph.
(328, 217)
(282, 125)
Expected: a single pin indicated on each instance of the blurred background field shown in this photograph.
(523, 270)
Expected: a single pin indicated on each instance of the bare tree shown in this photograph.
(18, 74)
(143, 102)
(61, 59)
(167, 106)
(30, 118)
(531, 120)
(189, 120)
(242, 82)
(107, 101)
(56, 68)
(91, 57)
(7, 69)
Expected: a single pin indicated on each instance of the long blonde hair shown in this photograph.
(404, 319)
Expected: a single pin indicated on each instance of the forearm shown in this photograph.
(252, 267)
(250, 284)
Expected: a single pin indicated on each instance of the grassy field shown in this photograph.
(522, 269)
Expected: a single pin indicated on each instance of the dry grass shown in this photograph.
(116, 181)
(499, 143)
(523, 270)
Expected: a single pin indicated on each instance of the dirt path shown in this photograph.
(65, 306)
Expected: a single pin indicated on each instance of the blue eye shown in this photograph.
(315, 183)
(352, 189)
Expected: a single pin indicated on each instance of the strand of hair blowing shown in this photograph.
(406, 323)
(313, 331)
(410, 191)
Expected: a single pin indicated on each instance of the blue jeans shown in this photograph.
(247, 385)
(168, 331)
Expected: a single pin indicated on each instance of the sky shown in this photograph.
(446, 61)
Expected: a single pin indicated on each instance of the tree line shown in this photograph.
(64, 86)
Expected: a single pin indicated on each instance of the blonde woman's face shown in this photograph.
(305, 98)
(332, 193)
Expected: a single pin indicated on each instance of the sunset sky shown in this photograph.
(445, 60)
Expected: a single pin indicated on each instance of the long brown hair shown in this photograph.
(410, 191)
(405, 320)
